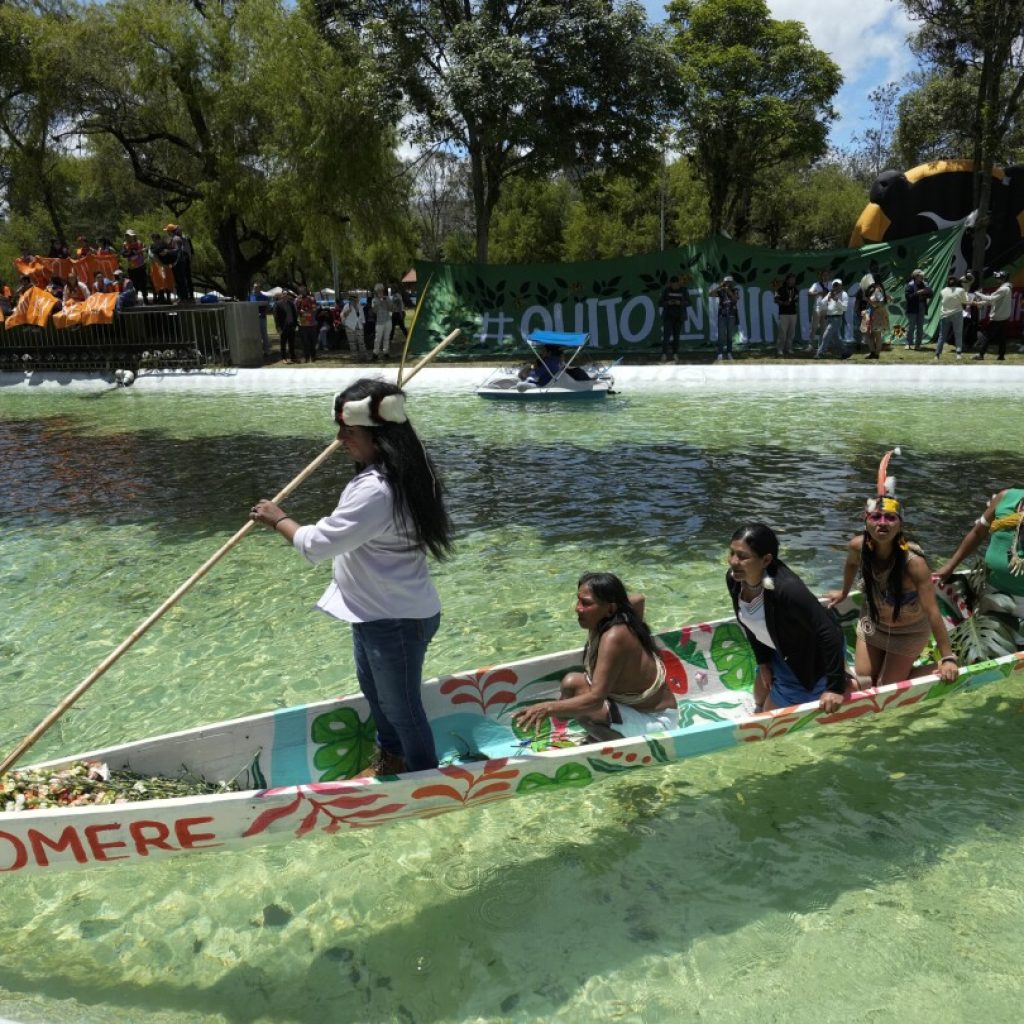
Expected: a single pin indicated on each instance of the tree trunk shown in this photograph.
(239, 271)
(481, 210)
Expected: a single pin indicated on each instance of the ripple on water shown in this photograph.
(754, 882)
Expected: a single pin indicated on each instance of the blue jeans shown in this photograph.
(954, 323)
(915, 329)
(727, 325)
(833, 333)
(389, 657)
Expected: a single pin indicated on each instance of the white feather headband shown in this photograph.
(372, 412)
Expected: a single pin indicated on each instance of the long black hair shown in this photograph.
(894, 579)
(609, 589)
(761, 539)
(410, 472)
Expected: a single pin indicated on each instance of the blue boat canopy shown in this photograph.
(563, 338)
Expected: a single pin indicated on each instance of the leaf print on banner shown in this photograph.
(732, 657)
(345, 741)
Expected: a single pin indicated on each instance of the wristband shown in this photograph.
(950, 657)
(275, 523)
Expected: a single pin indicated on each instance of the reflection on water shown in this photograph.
(743, 886)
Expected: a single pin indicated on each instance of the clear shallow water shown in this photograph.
(865, 875)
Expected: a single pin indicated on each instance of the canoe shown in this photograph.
(295, 764)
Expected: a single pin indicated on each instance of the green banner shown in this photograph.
(617, 301)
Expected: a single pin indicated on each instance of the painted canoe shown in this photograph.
(296, 764)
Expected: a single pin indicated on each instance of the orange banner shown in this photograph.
(34, 307)
(42, 268)
(97, 309)
(163, 277)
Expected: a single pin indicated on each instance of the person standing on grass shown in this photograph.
(917, 294)
(953, 300)
(786, 297)
(1000, 306)
(675, 301)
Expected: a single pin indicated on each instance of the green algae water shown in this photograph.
(868, 873)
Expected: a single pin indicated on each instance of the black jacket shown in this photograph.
(806, 635)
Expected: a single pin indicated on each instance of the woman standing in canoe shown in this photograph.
(799, 647)
(621, 690)
(389, 516)
(900, 612)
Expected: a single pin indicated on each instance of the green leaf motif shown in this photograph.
(345, 741)
(691, 710)
(733, 657)
(689, 653)
(567, 776)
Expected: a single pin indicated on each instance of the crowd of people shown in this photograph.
(970, 318)
(159, 273)
(392, 514)
(365, 326)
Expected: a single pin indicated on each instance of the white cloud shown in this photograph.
(866, 38)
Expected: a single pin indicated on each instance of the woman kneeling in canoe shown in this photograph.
(389, 516)
(900, 612)
(799, 647)
(622, 690)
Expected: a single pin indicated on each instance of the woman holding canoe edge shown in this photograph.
(799, 647)
(390, 514)
(900, 612)
(622, 690)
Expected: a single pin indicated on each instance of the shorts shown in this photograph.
(641, 723)
(787, 690)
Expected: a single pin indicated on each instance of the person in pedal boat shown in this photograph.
(622, 690)
(389, 516)
(1002, 523)
(799, 647)
(900, 614)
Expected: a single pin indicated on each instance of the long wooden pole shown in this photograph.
(412, 327)
(430, 355)
(143, 628)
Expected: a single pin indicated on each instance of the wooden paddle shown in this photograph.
(30, 740)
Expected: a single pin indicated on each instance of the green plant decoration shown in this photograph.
(731, 653)
(345, 741)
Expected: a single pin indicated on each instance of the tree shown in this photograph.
(984, 38)
(755, 94)
(235, 114)
(517, 88)
(34, 103)
(876, 145)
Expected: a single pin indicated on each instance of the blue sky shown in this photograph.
(866, 38)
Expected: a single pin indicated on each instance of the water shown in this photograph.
(868, 874)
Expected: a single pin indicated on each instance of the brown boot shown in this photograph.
(382, 763)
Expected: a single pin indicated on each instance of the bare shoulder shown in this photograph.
(856, 545)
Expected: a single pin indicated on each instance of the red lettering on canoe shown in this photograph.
(67, 840)
(20, 853)
(198, 840)
(137, 830)
(98, 847)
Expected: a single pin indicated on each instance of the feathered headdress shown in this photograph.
(885, 499)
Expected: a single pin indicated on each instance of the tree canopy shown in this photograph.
(755, 94)
(517, 89)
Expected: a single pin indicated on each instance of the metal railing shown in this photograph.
(144, 337)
